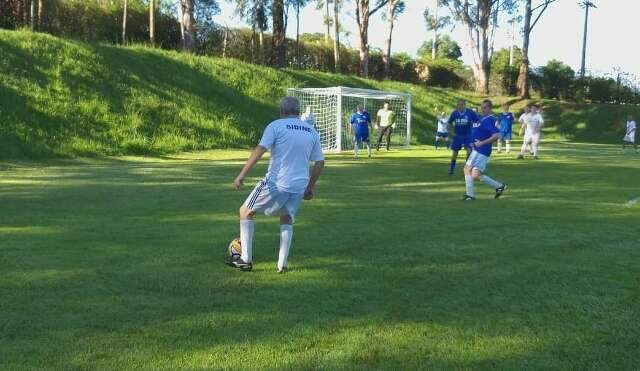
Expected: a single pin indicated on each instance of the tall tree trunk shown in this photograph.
(32, 15)
(124, 22)
(224, 42)
(336, 35)
(326, 21)
(261, 51)
(298, 33)
(434, 42)
(40, 14)
(513, 40)
(189, 40)
(278, 56)
(362, 18)
(523, 76)
(181, 25)
(386, 58)
(152, 22)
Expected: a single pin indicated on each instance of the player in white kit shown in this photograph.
(442, 132)
(532, 126)
(293, 144)
(630, 135)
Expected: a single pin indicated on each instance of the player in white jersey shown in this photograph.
(442, 132)
(384, 121)
(630, 135)
(308, 117)
(293, 144)
(532, 126)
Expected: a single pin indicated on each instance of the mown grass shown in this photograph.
(116, 263)
(66, 98)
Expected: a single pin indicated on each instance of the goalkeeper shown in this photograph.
(385, 124)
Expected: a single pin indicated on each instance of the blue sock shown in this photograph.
(453, 166)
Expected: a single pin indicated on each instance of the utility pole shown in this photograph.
(586, 4)
(434, 44)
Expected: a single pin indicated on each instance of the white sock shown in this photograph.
(468, 182)
(490, 182)
(508, 146)
(499, 145)
(369, 149)
(355, 148)
(246, 240)
(286, 235)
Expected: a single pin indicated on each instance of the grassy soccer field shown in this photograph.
(117, 264)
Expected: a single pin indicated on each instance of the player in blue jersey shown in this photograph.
(505, 123)
(461, 119)
(361, 122)
(483, 133)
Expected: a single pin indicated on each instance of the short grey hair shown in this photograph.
(289, 106)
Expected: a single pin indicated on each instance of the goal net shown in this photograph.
(332, 109)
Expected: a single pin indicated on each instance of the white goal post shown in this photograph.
(332, 109)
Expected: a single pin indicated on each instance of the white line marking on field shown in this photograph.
(632, 202)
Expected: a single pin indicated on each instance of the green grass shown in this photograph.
(68, 98)
(116, 263)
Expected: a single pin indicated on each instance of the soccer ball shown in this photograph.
(235, 250)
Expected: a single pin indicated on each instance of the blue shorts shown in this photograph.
(440, 134)
(361, 137)
(505, 135)
(459, 142)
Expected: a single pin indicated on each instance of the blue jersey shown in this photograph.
(506, 122)
(484, 130)
(462, 122)
(360, 122)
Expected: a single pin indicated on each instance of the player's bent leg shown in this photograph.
(469, 194)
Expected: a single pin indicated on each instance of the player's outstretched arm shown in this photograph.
(315, 174)
(490, 140)
(256, 155)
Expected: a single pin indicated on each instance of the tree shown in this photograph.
(124, 22)
(326, 19)
(529, 12)
(32, 14)
(278, 52)
(40, 14)
(336, 35)
(446, 48)
(557, 80)
(476, 15)
(363, 13)
(435, 23)
(256, 13)
(188, 26)
(396, 7)
(152, 26)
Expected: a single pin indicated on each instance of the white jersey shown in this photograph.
(523, 118)
(384, 117)
(443, 125)
(630, 136)
(293, 143)
(534, 123)
(309, 118)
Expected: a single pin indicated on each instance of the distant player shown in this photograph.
(361, 123)
(308, 117)
(293, 143)
(523, 117)
(505, 123)
(442, 132)
(384, 122)
(461, 119)
(483, 133)
(532, 127)
(630, 136)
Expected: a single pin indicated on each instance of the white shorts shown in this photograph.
(477, 161)
(532, 138)
(266, 198)
(631, 138)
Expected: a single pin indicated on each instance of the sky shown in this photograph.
(558, 34)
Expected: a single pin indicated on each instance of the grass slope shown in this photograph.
(61, 97)
(116, 264)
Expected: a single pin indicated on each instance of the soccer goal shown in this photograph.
(332, 109)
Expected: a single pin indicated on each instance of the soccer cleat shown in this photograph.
(282, 270)
(240, 264)
(520, 157)
(535, 157)
(468, 198)
(500, 190)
